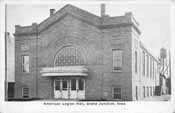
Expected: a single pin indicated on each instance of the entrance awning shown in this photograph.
(64, 71)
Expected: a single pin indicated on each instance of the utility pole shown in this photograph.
(6, 36)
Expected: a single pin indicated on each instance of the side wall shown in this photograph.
(25, 45)
(117, 38)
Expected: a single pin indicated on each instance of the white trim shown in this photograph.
(64, 74)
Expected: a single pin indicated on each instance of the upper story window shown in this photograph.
(117, 60)
(136, 62)
(150, 67)
(153, 69)
(147, 65)
(135, 43)
(25, 63)
(143, 58)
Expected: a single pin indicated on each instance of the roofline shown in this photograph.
(143, 47)
(97, 21)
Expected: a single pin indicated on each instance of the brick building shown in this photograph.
(74, 54)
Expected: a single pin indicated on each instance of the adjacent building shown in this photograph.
(10, 66)
(74, 54)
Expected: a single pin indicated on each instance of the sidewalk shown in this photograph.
(158, 98)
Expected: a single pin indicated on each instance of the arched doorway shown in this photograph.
(69, 74)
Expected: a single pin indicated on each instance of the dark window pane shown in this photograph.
(57, 85)
(64, 84)
(81, 84)
(117, 90)
(117, 93)
(117, 96)
(73, 84)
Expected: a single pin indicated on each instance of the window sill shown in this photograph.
(116, 71)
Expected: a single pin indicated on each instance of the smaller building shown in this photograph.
(10, 47)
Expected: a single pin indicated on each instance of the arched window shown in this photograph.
(68, 56)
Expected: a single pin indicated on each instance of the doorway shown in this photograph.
(69, 88)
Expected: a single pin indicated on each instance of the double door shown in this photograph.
(69, 88)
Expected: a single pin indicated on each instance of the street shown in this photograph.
(158, 98)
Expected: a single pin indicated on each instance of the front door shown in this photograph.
(65, 89)
(57, 89)
(73, 88)
(81, 89)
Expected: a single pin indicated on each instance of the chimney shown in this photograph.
(103, 8)
(52, 11)
(34, 27)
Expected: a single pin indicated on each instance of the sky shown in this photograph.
(154, 19)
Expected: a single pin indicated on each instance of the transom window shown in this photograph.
(69, 56)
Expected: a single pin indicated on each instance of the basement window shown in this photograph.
(116, 92)
(25, 92)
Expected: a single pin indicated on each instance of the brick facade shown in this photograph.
(95, 37)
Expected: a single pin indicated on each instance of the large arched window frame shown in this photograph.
(69, 56)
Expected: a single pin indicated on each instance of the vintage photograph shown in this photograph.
(88, 52)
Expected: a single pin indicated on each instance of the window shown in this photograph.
(135, 61)
(81, 84)
(69, 56)
(148, 91)
(25, 92)
(153, 69)
(150, 67)
(117, 59)
(117, 93)
(143, 63)
(57, 85)
(147, 66)
(144, 91)
(25, 63)
(73, 84)
(64, 83)
(136, 93)
(146, 63)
